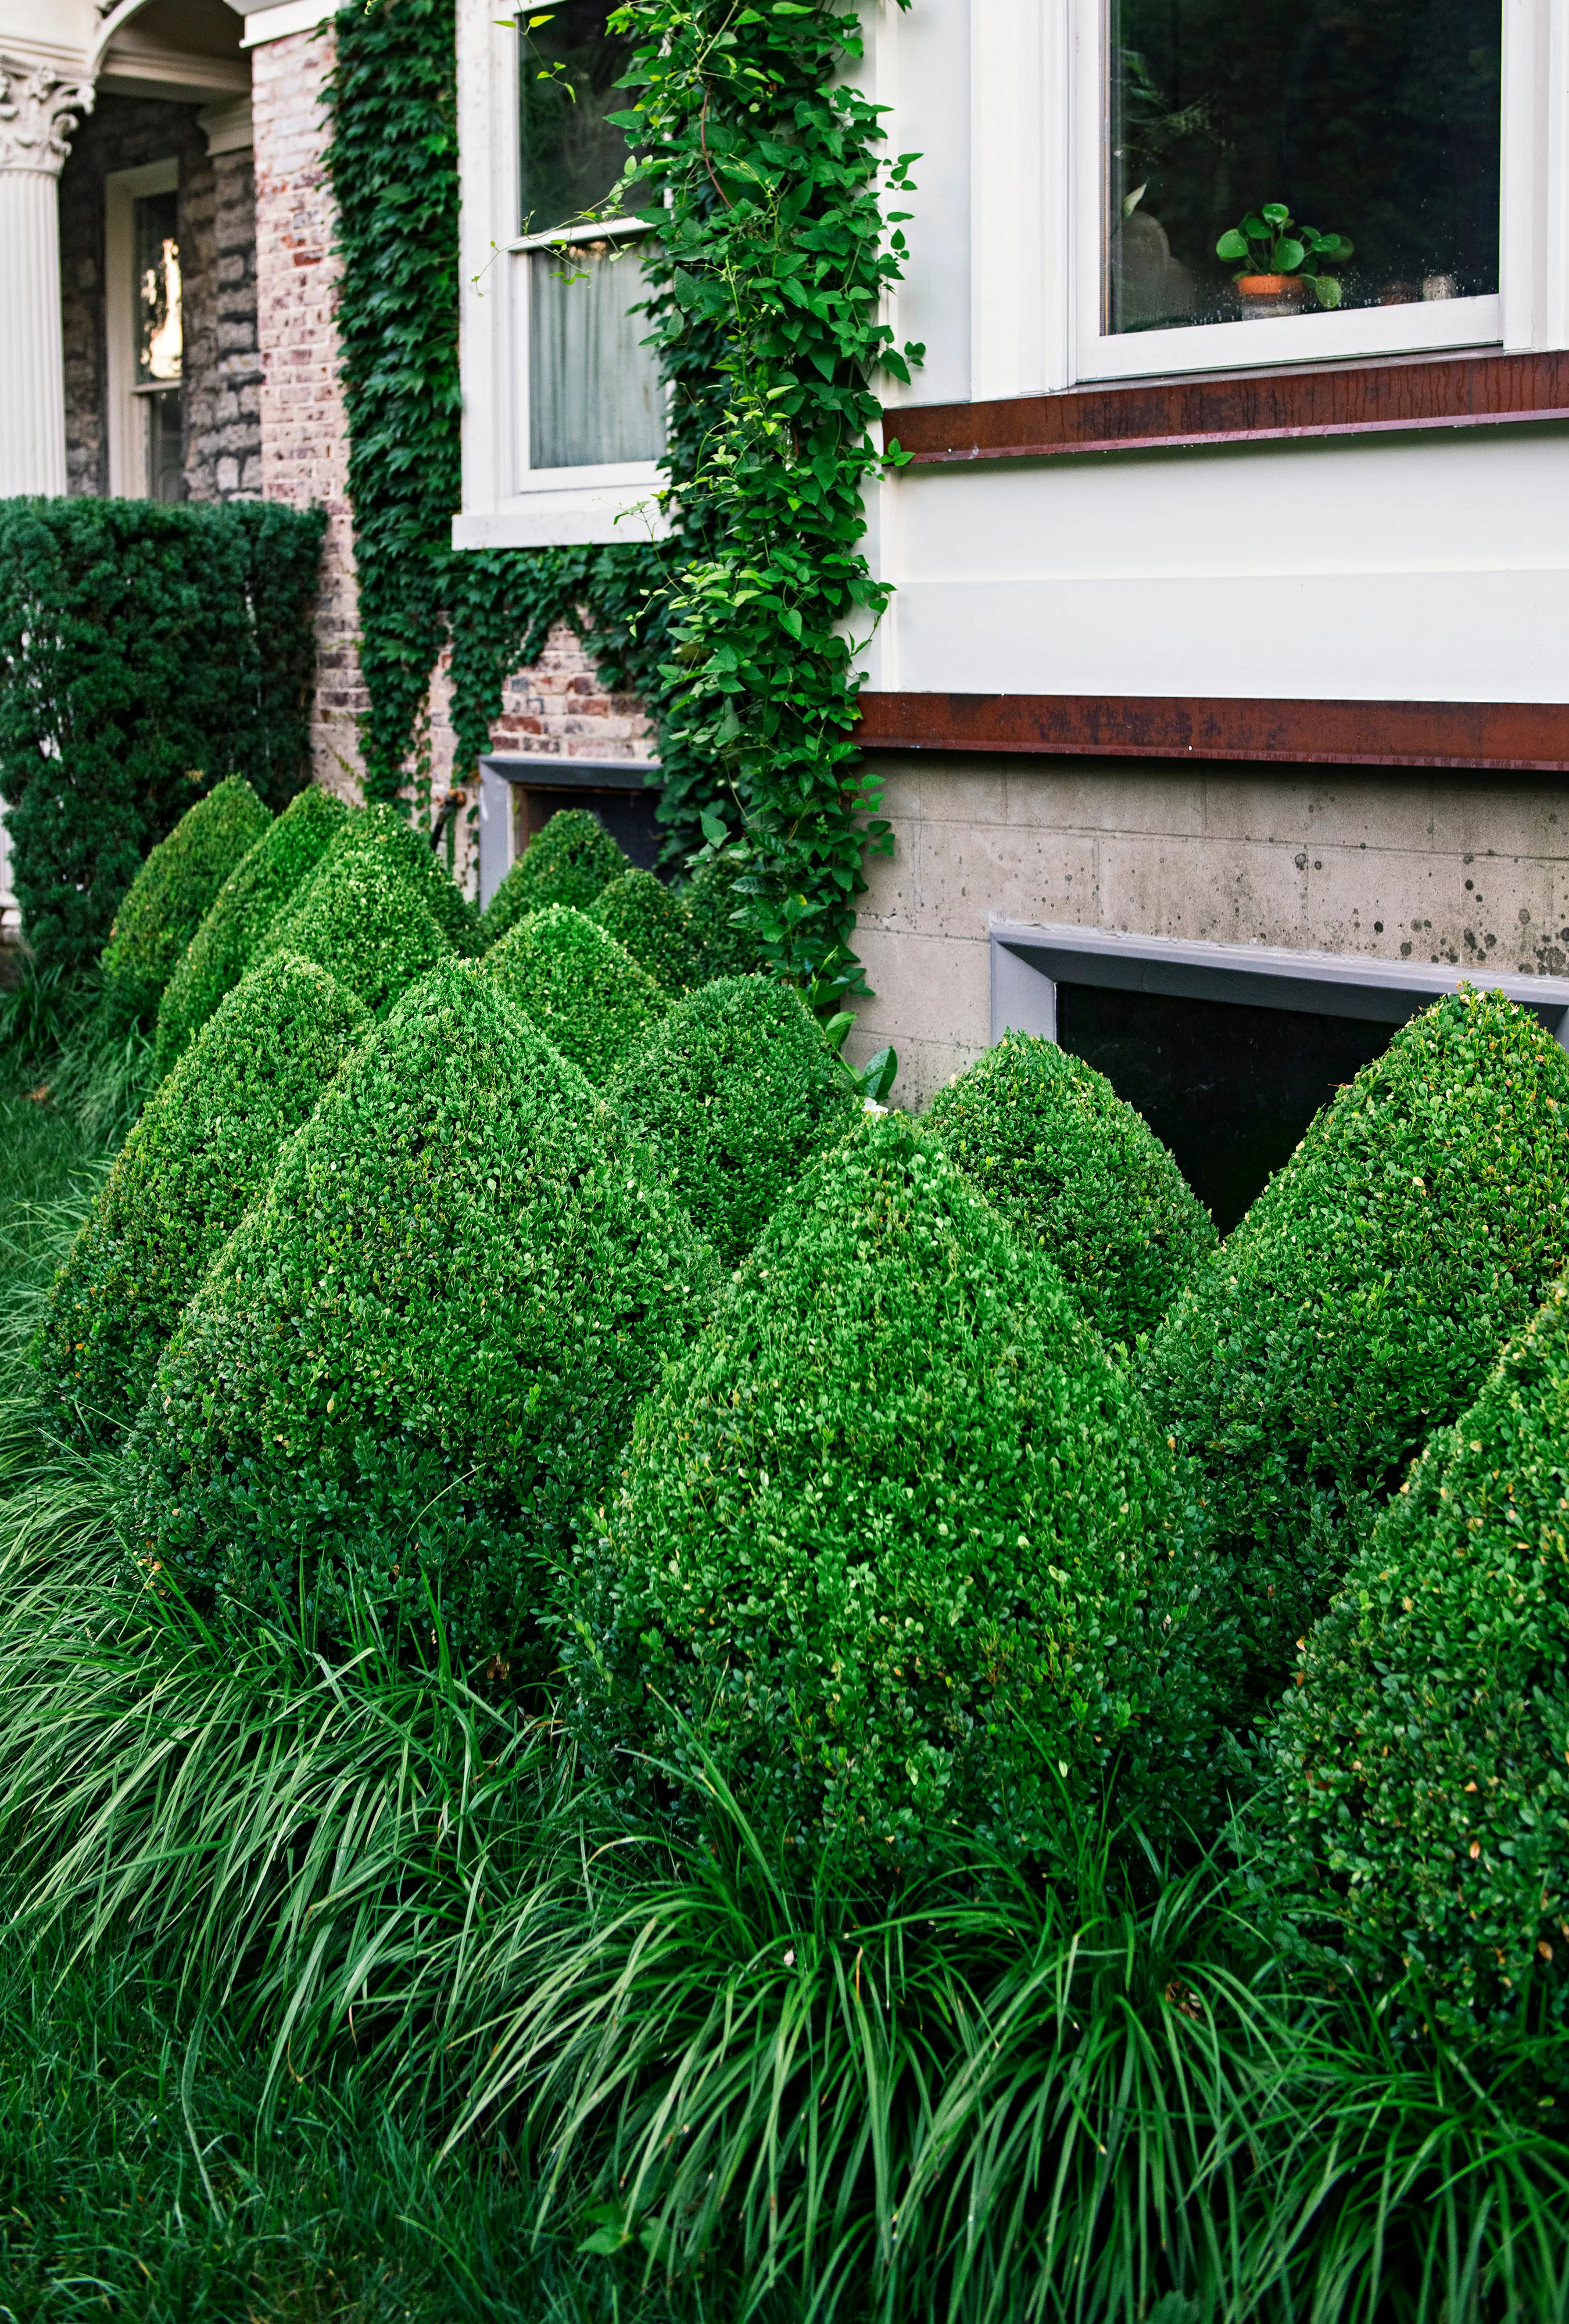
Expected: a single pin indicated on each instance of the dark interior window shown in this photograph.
(1229, 1089)
(568, 66)
(1374, 120)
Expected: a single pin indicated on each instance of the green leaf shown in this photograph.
(1231, 245)
(1288, 255)
(789, 620)
(1326, 288)
(1277, 213)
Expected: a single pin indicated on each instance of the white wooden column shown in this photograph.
(37, 111)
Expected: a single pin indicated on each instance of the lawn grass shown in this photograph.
(322, 1997)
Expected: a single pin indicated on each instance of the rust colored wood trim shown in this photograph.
(1528, 737)
(1467, 390)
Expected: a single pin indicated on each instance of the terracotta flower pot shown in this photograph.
(1269, 294)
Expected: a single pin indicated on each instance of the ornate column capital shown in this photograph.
(38, 112)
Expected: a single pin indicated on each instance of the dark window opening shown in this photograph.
(1230, 1089)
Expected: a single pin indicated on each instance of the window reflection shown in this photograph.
(159, 339)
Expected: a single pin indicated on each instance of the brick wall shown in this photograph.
(304, 439)
(222, 408)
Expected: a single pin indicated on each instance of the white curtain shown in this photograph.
(593, 392)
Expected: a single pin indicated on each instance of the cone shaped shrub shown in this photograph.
(571, 861)
(897, 1548)
(258, 888)
(363, 918)
(421, 1352)
(578, 986)
(201, 1153)
(1365, 1296)
(1048, 1139)
(381, 829)
(172, 895)
(1419, 1808)
(641, 913)
(740, 1092)
(710, 899)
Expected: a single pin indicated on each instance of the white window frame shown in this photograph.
(1039, 141)
(507, 503)
(126, 400)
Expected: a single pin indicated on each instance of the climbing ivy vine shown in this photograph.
(763, 169)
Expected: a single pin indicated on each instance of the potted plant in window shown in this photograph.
(1281, 262)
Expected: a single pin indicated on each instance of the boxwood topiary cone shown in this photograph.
(571, 861)
(421, 1352)
(255, 891)
(381, 829)
(1048, 1139)
(578, 986)
(1418, 1811)
(170, 895)
(362, 917)
(641, 913)
(1363, 1299)
(711, 901)
(201, 1153)
(898, 1547)
(740, 1092)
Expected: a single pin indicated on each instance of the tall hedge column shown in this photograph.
(37, 111)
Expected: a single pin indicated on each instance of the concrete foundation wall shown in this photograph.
(1387, 863)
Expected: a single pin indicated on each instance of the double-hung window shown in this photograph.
(563, 406)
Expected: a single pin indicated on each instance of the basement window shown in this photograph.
(1227, 1050)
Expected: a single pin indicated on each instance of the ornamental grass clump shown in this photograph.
(578, 986)
(1047, 1138)
(170, 895)
(257, 890)
(1417, 1819)
(898, 1557)
(641, 913)
(362, 917)
(201, 1153)
(419, 1356)
(1365, 1296)
(740, 1092)
(571, 861)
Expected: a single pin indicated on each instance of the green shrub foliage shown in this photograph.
(172, 895)
(258, 888)
(897, 1545)
(576, 984)
(1419, 1809)
(1363, 1300)
(363, 918)
(138, 641)
(740, 1092)
(1048, 1139)
(381, 828)
(711, 903)
(421, 1352)
(201, 1153)
(641, 913)
(571, 861)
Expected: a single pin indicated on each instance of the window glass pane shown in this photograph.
(158, 316)
(1375, 122)
(165, 449)
(568, 67)
(594, 391)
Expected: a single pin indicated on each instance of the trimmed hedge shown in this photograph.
(172, 895)
(641, 913)
(578, 986)
(740, 1092)
(1363, 1300)
(258, 888)
(382, 829)
(420, 1355)
(1047, 1138)
(898, 1547)
(202, 1151)
(571, 861)
(364, 919)
(1419, 1806)
(138, 641)
(710, 899)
